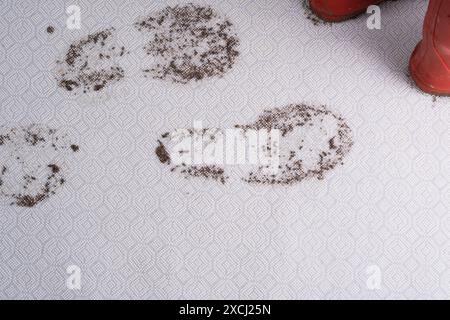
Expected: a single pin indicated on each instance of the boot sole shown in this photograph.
(330, 18)
(423, 86)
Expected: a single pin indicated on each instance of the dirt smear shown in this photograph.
(162, 153)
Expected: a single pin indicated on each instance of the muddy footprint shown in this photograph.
(32, 164)
(283, 146)
(188, 43)
(184, 43)
(91, 63)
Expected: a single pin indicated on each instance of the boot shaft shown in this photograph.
(436, 30)
(430, 63)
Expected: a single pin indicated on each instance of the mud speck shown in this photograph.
(75, 148)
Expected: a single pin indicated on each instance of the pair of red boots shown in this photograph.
(430, 62)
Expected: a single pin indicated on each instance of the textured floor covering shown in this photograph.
(137, 232)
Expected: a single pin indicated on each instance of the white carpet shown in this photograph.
(376, 227)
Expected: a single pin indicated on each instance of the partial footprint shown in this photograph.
(32, 164)
(91, 63)
(283, 146)
(188, 43)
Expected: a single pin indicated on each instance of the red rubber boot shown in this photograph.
(430, 62)
(340, 10)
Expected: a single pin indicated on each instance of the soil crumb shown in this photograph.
(188, 43)
(32, 168)
(90, 64)
(75, 148)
